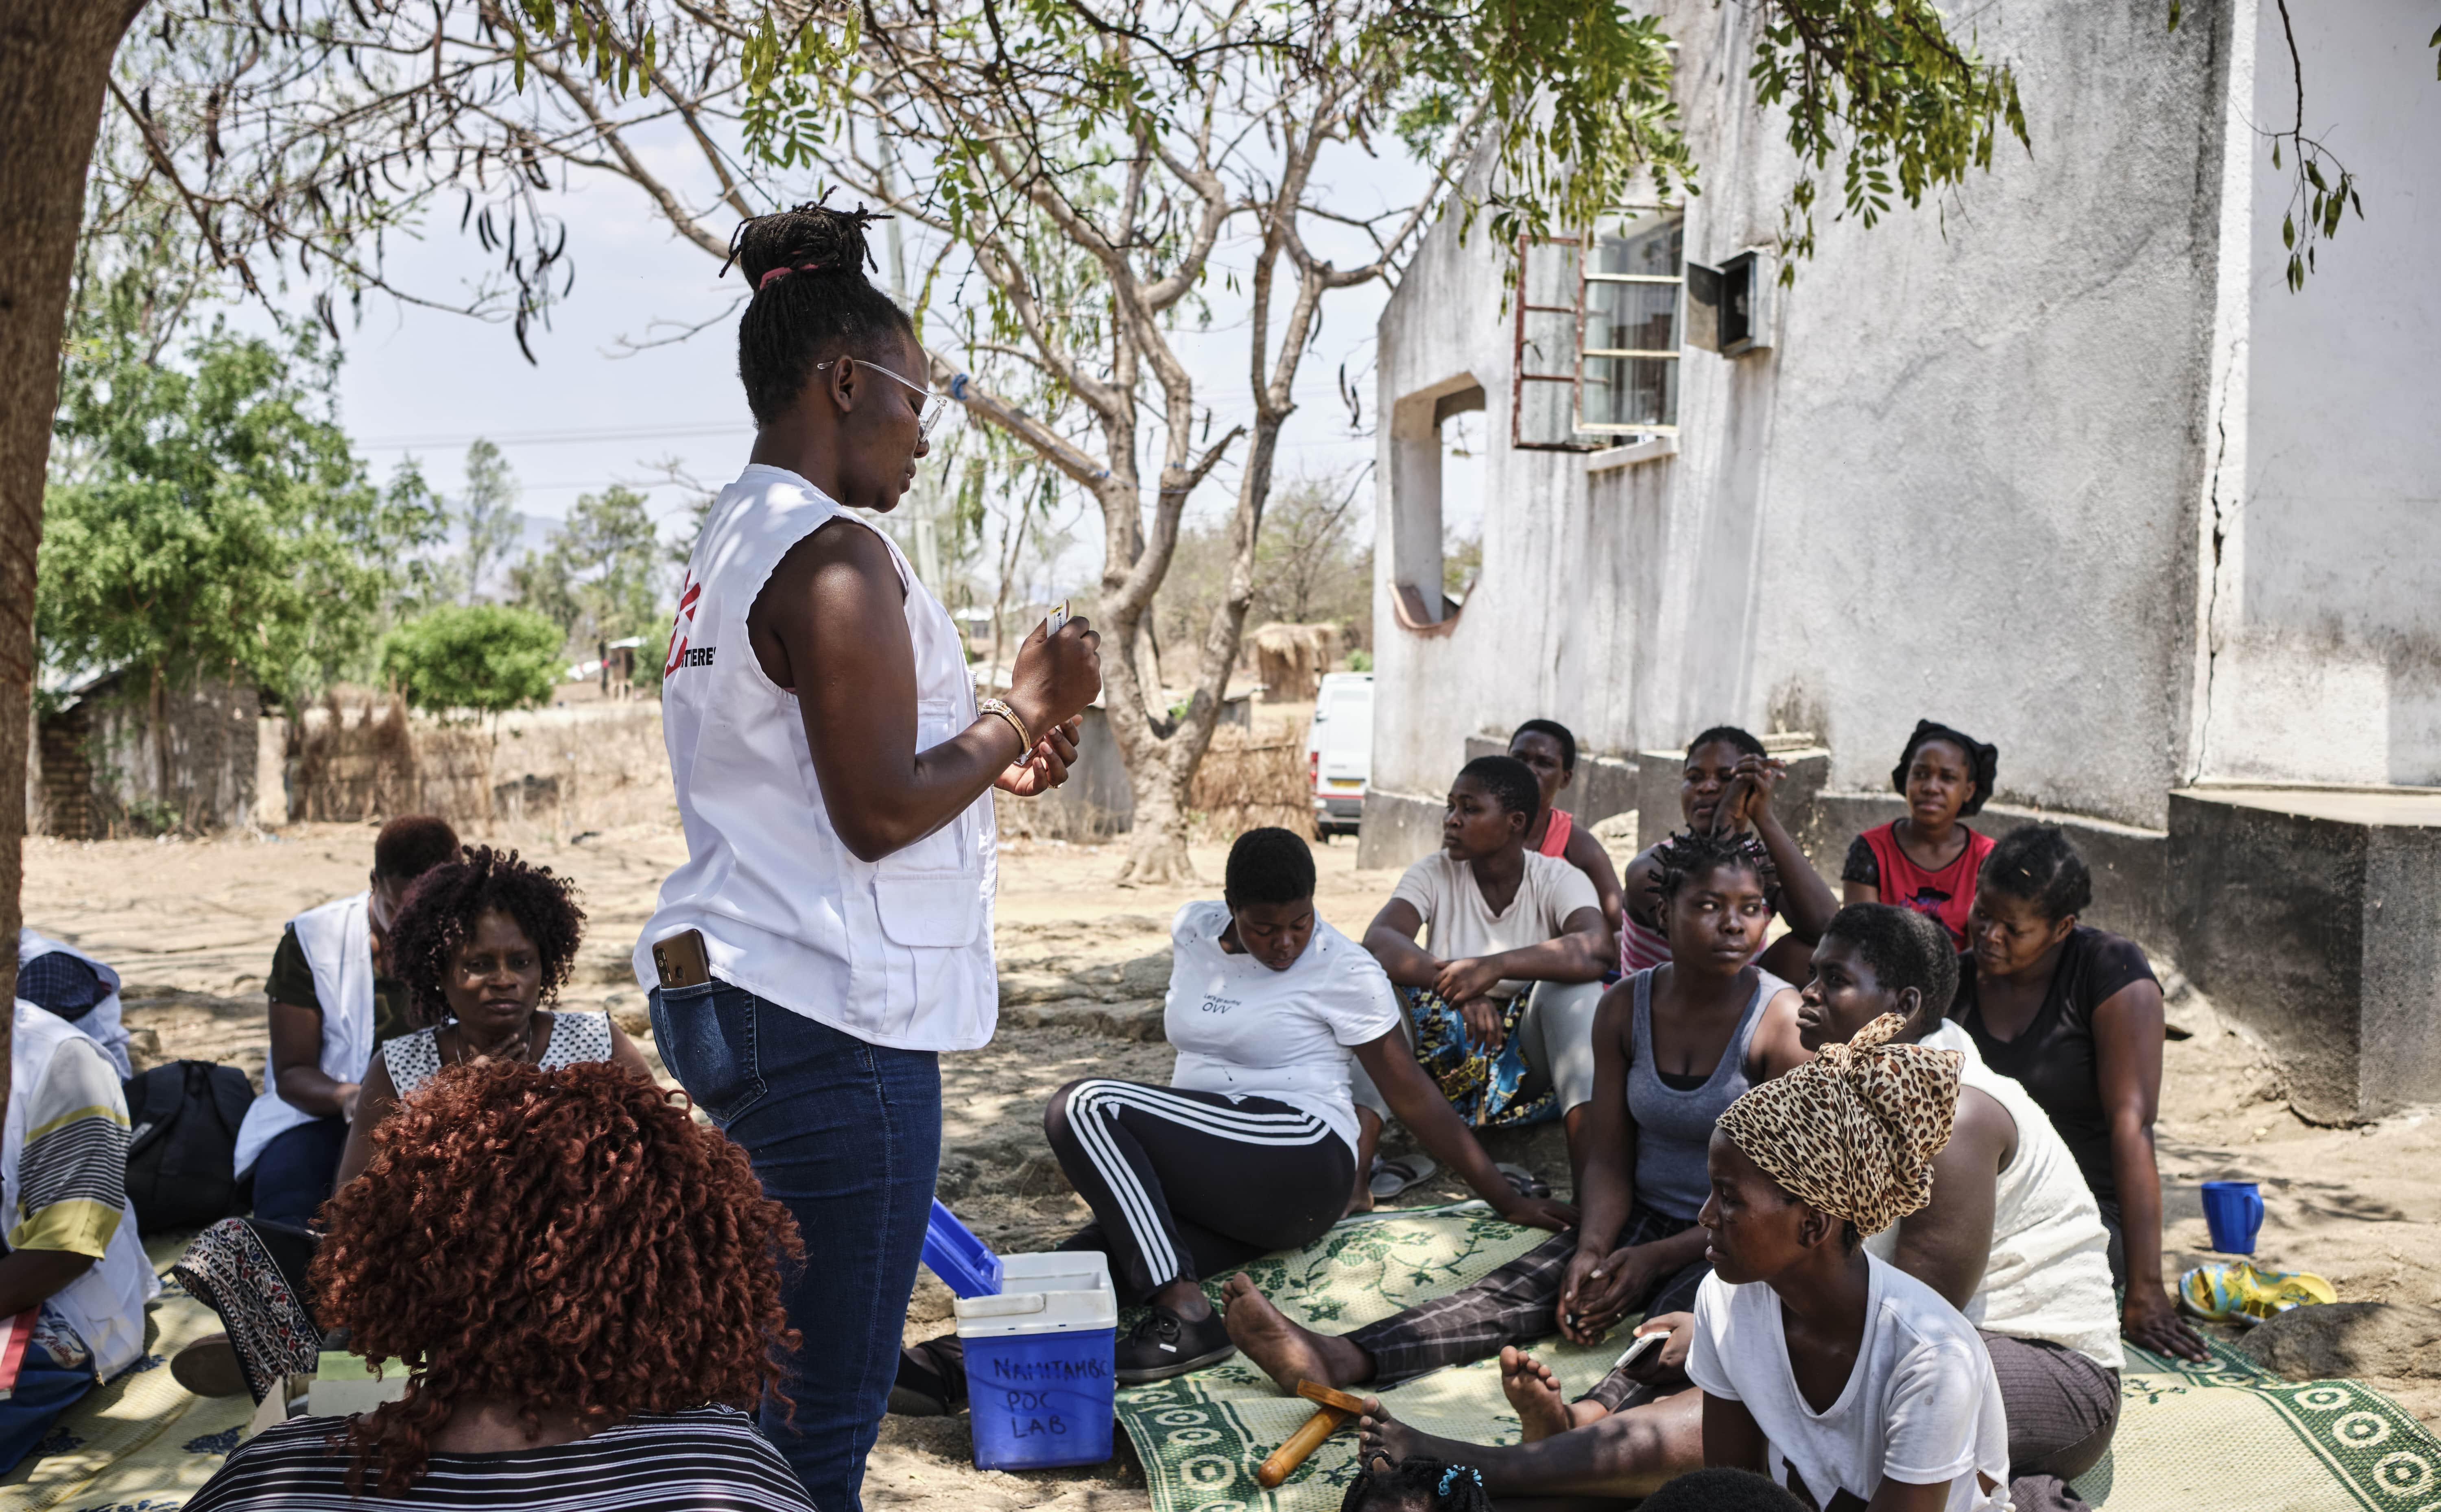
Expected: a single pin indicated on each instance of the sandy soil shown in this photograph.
(191, 927)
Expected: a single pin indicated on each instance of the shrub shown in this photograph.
(485, 658)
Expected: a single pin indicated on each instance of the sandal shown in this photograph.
(2239, 1293)
(208, 1367)
(1526, 1181)
(931, 1379)
(1394, 1175)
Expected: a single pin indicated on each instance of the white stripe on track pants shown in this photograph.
(1188, 1183)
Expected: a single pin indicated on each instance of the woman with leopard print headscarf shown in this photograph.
(1844, 1378)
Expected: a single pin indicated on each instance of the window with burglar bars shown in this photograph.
(1599, 328)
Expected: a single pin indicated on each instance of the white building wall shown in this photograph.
(1963, 483)
(2324, 658)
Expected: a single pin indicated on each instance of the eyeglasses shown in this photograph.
(926, 412)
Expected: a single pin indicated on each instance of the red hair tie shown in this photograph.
(765, 282)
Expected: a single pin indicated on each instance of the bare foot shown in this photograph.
(1380, 1436)
(1361, 1200)
(1535, 1393)
(1287, 1352)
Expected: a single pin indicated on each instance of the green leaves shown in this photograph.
(1882, 84)
(600, 576)
(210, 519)
(482, 659)
(1577, 98)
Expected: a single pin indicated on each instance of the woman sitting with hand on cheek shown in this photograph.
(1927, 860)
(2074, 1015)
(1725, 788)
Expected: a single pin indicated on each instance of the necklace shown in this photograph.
(519, 1048)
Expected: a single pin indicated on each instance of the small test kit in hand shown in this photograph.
(1645, 1345)
(1059, 617)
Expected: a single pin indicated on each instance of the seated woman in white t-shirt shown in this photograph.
(1835, 1373)
(1501, 997)
(1253, 1145)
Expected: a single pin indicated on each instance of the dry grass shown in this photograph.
(1246, 783)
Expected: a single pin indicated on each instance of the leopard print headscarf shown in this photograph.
(1852, 1132)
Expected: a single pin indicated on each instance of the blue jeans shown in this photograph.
(847, 1136)
(44, 1389)
(294, 1176)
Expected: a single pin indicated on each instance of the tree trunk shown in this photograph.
(55, 60)
(159, 717)
(1160, 770)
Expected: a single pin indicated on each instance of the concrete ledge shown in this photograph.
(2312, 918)
(1397, 830)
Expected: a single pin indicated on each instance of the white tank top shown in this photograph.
(2049, 1276)
(897, 951)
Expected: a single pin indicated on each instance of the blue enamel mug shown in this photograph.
(2234, 1211)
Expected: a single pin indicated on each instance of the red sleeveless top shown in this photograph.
(1555, 835)
(1946, 895)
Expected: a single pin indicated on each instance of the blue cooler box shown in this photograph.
(1039, 1389)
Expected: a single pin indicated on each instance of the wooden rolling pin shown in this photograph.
(1336, 1412)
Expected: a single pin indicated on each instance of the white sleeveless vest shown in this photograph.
(897, 951)
(105, 1305)
(338, 945)
(2048, 1274)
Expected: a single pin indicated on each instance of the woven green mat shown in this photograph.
(2220, 1433)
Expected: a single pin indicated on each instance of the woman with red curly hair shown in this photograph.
(481, 944)
(584, 1285)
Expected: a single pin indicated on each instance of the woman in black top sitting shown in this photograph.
(2075, 1013)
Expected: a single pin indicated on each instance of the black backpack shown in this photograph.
(182, 1147)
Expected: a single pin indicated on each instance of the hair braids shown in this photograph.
(809, 301)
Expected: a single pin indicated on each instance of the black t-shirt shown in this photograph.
(2053, 1058)
(292, 982)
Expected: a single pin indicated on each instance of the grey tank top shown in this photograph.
(1673, 1130)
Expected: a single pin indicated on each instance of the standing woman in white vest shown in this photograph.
(831, 932)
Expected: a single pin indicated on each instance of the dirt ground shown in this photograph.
(190, 926)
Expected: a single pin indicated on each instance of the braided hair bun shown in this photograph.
(810, 301)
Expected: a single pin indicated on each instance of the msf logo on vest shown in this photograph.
(683, 655)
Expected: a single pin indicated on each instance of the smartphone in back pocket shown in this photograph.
(679, 961)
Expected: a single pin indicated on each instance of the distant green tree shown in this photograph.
(208, 518)
(484, 659)
(600, 576)
(487, 514)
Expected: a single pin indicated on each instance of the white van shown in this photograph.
(1339, 751)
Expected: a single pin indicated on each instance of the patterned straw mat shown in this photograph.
(2223, 1433)
(141, 1442)
(2220, 1433)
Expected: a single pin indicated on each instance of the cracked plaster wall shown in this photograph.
(1963, 483)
